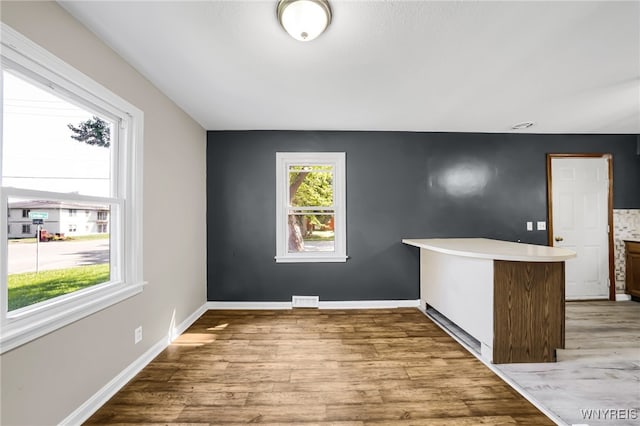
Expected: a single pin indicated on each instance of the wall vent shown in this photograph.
(305, 301)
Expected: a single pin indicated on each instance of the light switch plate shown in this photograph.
(542, 225)
(529, 226)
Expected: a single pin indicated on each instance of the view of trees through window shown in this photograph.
(311, 208)
(58, 242)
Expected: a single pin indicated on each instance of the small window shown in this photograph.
(25, 212)
(102, 228)
(26, 229)
(73, 228)
(102, 215)
(72, 212)
(310, 199)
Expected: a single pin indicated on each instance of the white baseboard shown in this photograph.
(347, 304)
(248, 305)
(90, 406)
(182, 327)
(370, 304)
(621, 297)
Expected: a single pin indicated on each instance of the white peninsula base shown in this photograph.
(508, 296)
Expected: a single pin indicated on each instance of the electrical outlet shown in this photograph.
(137, 335)
(542, 225)
(529, 226)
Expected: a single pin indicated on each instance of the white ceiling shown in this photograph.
(455, 66)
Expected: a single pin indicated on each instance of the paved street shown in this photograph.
(57, 255)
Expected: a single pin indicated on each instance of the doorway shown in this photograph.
(580, 212)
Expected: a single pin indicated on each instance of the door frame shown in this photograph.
(609, 157)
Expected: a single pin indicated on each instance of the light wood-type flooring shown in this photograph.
(596, 380)
(338, 367)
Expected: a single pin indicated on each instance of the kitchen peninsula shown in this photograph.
(508, 296)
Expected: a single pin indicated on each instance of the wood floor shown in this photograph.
(335, 367)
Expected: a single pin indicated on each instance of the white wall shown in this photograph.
(42, 382)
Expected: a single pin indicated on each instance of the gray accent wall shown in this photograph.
(399, 185)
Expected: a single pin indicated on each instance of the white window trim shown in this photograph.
(335, 159)
(27, 324)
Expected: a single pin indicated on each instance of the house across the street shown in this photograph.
(65, 218)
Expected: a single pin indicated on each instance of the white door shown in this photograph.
(580, 190)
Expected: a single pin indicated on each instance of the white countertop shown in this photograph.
(483, 248)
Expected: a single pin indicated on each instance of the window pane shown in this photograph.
(311, 186)
(311, 232)
(73, 252)
(42, 152)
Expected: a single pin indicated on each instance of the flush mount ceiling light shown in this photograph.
(304, 20)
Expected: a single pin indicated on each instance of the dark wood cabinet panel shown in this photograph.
(528, 311)
(633, 269)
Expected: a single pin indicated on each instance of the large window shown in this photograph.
(310, 199)
(67, 144)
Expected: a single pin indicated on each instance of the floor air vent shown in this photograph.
(305, 301)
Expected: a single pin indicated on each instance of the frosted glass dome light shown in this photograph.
(304, 20)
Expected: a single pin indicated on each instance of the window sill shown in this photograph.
(26, 327)
(311, 259)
